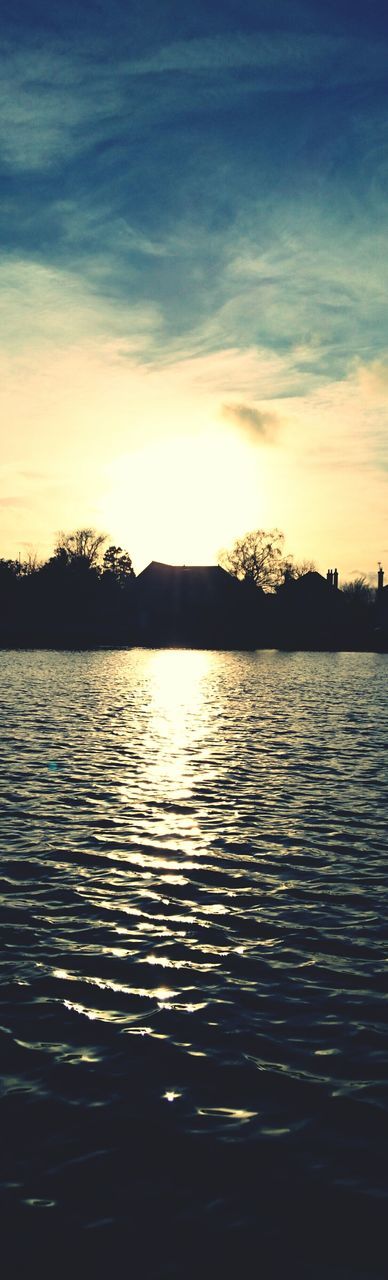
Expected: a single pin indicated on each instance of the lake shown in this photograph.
(194, 1021)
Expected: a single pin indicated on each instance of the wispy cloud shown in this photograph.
(258, 424)
(16, 501)
(373, 379)
(282, 59)
(177, 205)
(40, 304)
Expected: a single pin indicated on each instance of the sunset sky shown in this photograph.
(194, 276)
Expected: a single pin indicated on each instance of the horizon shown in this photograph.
(370, 577)
(193, 278)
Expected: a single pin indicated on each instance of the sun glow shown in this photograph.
(180, 499)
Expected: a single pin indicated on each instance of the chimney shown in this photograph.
(335, 579)
(380, 578)
(329, 577)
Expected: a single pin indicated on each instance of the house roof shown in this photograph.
(158, 569)
(193, 579)
(194, 604)
(312, 584)
(202, 578)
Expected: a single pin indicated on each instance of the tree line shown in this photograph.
(78, 552)
(85, 591)
(80, 592)
(257, 558)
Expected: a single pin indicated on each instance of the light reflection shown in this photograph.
(174, 880)
(178, 680)
(91, 1014)
(242, 989)
(271, 1131)
(213, 909)
(182, 1007)
(227, 1113)
(121, 953)
(155, 861)
(163, 993)
(39, 1202)
(176, 690)
(165, 962)
(145, 1031)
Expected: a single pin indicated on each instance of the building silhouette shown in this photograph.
(198, 605)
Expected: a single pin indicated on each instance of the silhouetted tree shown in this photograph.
(257, 558)
(31, 564)
(84, 545)
(359, 593)
(118, 564)
(9, 569)
(297, 568)
(359, 601)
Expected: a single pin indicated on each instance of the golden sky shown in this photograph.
(193, 286)
(175, 460)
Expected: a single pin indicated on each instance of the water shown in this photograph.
(194, 966)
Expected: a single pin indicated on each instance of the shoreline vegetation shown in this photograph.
(86, 597)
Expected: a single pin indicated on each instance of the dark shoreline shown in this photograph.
(100, 646)
(166, 606)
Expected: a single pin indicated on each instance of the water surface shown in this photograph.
(194, 966)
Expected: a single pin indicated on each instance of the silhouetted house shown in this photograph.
(381, 608)
(311, 611)
(198, 606)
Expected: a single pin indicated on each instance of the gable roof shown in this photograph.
(187, 580)
(311, 581)
(159, 570)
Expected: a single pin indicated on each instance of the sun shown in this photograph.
(180, 499)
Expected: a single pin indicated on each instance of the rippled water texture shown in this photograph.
(194, 963)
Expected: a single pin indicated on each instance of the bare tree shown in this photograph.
(359, 592)
(31, 563)
(257, 558)
(297, 568)
(83, 545)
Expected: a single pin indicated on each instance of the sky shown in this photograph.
(194, 276)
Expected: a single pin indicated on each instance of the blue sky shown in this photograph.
(193, 222)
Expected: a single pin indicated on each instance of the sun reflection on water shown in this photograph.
(178, 682)
(175, 692)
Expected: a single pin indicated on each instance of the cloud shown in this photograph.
(14, 502)
(172, 210)
(281, 59)
(45, 306)
(373, 380)
(41, 110)
(149, 189)
(259, 425)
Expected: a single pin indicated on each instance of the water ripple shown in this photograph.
(194, 896)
